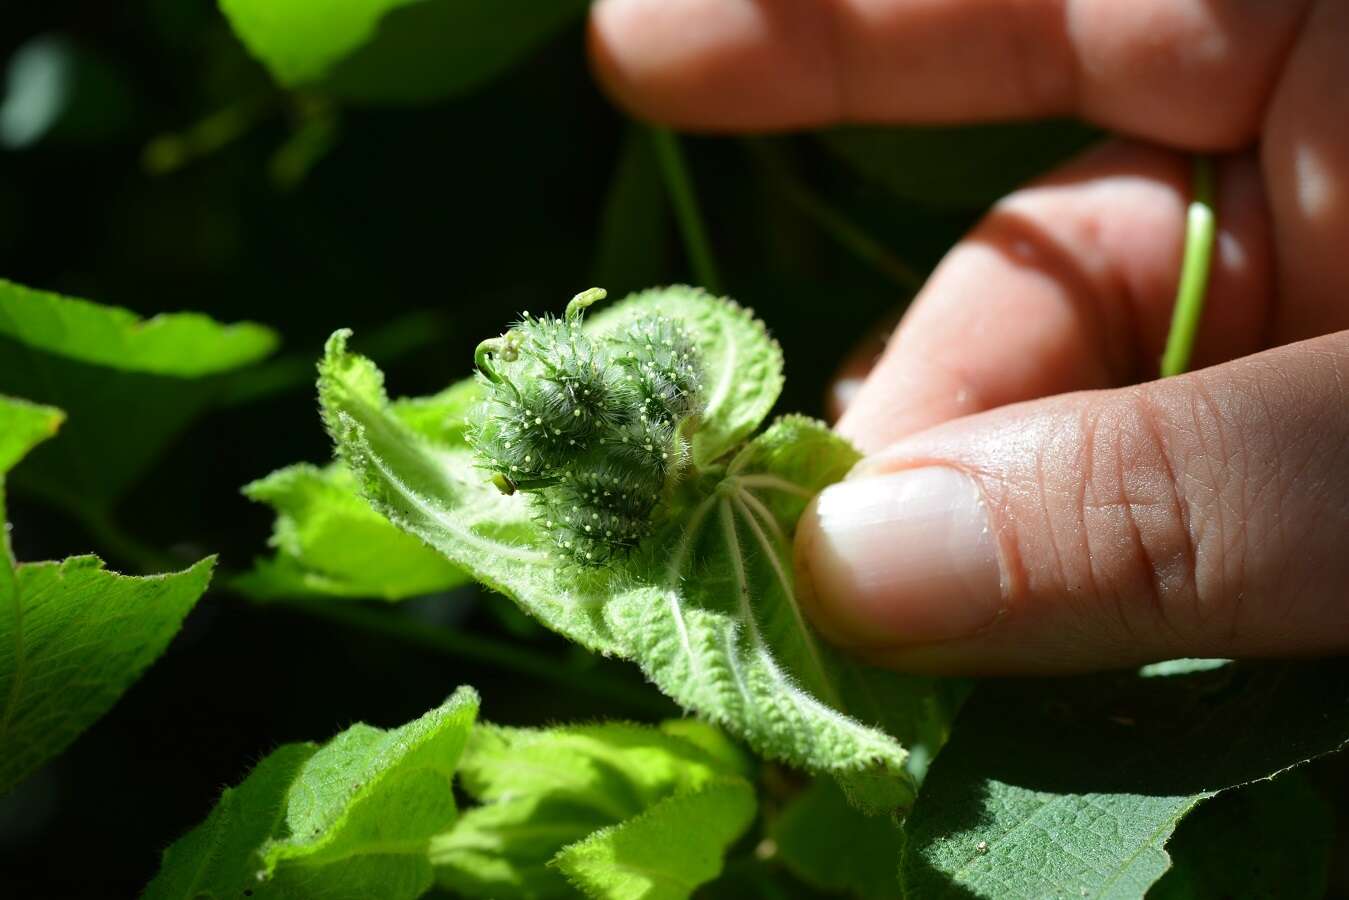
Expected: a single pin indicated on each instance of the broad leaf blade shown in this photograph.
(105, 367)
(352, 819)
(73, 637)
(542, 789)
(330, 542)
(394, 51)
(220, 857)
(1058, 787)
(666, 852)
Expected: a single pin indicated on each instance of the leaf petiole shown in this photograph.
(1200, 232)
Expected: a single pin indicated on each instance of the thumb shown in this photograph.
(1205, 515)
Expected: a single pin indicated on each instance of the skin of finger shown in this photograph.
(1192, 73)
(1305, 152)
(1068, 285)
(1205, 515)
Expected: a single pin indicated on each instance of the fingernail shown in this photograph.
(903, 558)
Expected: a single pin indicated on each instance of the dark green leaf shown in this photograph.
(829, 845)
(1271, 840)
(666, 852)
(1054, 788)
(330, 542)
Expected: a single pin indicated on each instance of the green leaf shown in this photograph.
(352, 819)
(219, 858)
(330, 542)
(543, 789)
(104, 365)
(707, 606)
(180, 345)
(666, 852)
(395, 51)
(742, 364)
(1053, 788)
(831, 846)
(23, 426)
(1272, 839)
(964, 167)
(73, 637)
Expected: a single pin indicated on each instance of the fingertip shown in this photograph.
(712, 65)
(901, 558)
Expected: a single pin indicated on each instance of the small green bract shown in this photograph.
(596, 430)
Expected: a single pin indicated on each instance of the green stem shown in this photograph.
(480, 649)
(1200, 232)
(846, 233)
(685, 202)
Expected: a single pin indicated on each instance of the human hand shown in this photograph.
(991, 530)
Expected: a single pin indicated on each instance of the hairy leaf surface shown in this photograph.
(666, 852)
(1054, 788)
(352, 819)
(544, 789)
(127, 384)
(707, 605)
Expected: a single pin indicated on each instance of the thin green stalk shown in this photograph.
(1200, 232)
(685, 202)
(480, 649)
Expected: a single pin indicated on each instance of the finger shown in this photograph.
(1194, 73)
(1305, 152)
(1069, 285)
(850, 377)
(1205, 515)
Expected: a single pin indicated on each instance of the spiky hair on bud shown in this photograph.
(592, 428)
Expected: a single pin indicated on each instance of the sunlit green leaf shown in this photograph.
(544, 789)
(394, 51)
(352, 819)
(666, 852)
(127, 384)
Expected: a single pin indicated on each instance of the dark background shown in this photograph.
(424, 229)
